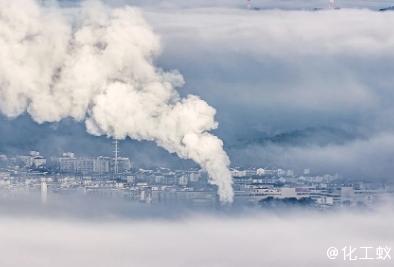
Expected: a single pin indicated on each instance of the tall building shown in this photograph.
(85, 165)
(68, 163)
(183, 180)
(102, 165)
(124, 165)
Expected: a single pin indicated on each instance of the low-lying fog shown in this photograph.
(141, 236)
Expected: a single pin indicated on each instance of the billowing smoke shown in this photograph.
(96, 65)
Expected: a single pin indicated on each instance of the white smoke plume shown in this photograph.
(96, 66)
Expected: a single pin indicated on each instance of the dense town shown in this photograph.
(115, 177)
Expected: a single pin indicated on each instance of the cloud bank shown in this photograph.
(300, 239)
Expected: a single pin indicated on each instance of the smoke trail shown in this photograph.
(97, 67)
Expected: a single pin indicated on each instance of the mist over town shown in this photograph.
(196, 133)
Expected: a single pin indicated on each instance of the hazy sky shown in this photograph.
(292, 89)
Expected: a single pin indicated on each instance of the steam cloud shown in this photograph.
(97, 67)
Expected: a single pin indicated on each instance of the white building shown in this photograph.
(68, 163)
(183, 180)
(124, 164)
(288, 192)
(38, 161)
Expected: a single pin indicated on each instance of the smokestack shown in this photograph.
(98, 70)
(116, 151)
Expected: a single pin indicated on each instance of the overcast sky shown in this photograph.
(292, 89)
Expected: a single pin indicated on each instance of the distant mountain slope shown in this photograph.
(320, 136)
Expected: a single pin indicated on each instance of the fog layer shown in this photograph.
(299, 239)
